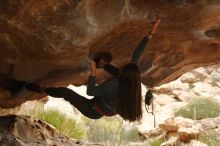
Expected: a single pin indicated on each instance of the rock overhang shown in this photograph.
(48, 41)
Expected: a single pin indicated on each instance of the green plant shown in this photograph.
(111, 131)
(156, 142)
(106, 130)
(66, 125)
(131, 135)
(199, 108)
(211, 138)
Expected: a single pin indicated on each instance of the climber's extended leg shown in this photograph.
(84, 105)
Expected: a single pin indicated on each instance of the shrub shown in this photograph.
(105, 130)
(111, 131)
(211, 138)
(156, 142)
(199, 108)
(131, 135)
(60, 121)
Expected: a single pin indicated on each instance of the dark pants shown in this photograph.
(84, 105)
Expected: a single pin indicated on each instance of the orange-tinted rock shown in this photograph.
(48, 41)
(169, 127)
(188, 134)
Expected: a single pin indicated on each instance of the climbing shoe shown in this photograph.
(33, 87)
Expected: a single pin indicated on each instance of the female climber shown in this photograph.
(121, 94)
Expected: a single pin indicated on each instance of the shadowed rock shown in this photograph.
(48, 41)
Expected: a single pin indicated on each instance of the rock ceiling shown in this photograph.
(48, 41)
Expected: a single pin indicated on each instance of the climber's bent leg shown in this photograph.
(84, 105)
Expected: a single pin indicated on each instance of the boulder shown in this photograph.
(203, 89)
(174, 124)
(48, 42)
(188, 134)
(188, 78)
(169, 127)
(26, 131)
(187, 130)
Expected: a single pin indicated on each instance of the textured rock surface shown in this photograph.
(188, 86)
(186, 130)
(25, 131)
(48, 41)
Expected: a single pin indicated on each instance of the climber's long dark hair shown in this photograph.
(129, 92)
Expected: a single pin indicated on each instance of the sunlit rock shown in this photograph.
(26, 131)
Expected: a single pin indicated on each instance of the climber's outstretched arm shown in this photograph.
(140, 49)
(113, 70)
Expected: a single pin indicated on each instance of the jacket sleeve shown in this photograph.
(111, 69)
(93, 90)
(139, 50)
